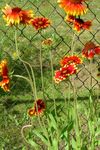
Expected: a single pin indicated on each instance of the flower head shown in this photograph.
(70, 18)
(38, 109)
(40, 23)
(26, 16)
(90, 49)
(15, 15)
(81, 24)
(70, 59)
(59, 76)
(12, 15)
(64, 72)
(4, 83)
(69, 69)
(73, 7)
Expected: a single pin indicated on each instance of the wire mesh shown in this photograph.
(29, 43)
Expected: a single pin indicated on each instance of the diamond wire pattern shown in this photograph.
(61, 38)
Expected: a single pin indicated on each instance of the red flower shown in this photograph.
(12, 15)
(70, 59)
(5, 84)
(16, 15)
(80, 24)
(40, 23)
(73, 7)
(59, 76)
(26, 16)
(38, 109)
(64, 72)
(4, 74)
(69, 69)
(97, 50)
(90, 50)
(70, 18)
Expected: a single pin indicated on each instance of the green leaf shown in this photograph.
(33, 143)
(54, 144)
(74, 144)
(41, 136)
(53, 121)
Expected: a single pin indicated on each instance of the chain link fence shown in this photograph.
(61, 33)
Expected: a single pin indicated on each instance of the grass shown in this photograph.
(14, 105)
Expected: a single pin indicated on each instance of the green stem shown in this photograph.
(31, 80)
(72, 44)
(52, 71)
(41, 67)
(91, 112)
(24, 62)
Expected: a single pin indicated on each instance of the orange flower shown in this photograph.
(59, 76)
(26, 16)
(4, 74)
(64, 72)
(90, 50)
(80, 24)
(70, 18)
(70, 59)
(16, 15)
(40, 23)
(69, 69)
(5, 84)
(73, 7)
(38, 109)
(12, 15)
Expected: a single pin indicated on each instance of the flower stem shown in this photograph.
(32, 79)
(41, 68)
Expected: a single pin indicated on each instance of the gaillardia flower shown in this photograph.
(70, 60)
(12, 15)
(38, 108)
(26, 16)
(68, 67)
(73, 7)
(70, 18)
(40, 23)
(78, 23)
(81, 24)
(4, 83)
(65, 72)
(15, 15)
(59, 76)
(90, 49)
